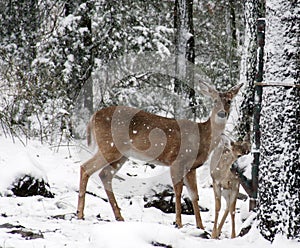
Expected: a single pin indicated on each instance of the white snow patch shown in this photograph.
(135, 235)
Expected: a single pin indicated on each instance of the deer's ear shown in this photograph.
(235, 89)
(207, 90)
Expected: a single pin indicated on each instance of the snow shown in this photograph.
(244, 163)
(55, 219)
(281, 66)
(136, 235)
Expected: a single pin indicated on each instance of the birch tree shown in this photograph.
(279, 171)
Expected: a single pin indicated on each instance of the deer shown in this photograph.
(121, 132)
(226, 183)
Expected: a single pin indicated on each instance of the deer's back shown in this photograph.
(138, 133)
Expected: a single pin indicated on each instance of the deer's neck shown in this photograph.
(217, 129)
(205, 142)
(210, 133)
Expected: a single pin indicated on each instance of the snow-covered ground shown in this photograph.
(53, 219)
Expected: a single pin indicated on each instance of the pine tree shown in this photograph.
(19, 31)
(279, 171)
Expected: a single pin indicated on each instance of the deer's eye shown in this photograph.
(228, 101)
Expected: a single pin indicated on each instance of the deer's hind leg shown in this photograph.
(106, 175)
(86, 170)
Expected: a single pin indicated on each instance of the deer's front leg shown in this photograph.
(217, 193)
(223, 220)
(178, 191)
(177, 180)
(232, 213)
(191, 183)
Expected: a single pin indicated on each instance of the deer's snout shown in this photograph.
(222, 114)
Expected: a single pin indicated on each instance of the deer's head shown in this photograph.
(240, 148)
(221, 100)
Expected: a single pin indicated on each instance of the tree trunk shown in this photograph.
(184, 39)
(185, 53)
(231, 58)
(248, 68)
(279, 173)
(86, 81)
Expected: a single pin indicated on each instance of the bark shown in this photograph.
(249, 68)
(231, 57)
(184, 39)
(185, 53)
(279, 173)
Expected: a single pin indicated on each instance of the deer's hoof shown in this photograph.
(80, 215)
(214, 235)
(201, 227)
(178, 225)
(120, 218)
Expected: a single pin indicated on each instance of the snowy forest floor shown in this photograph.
(51, 222)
